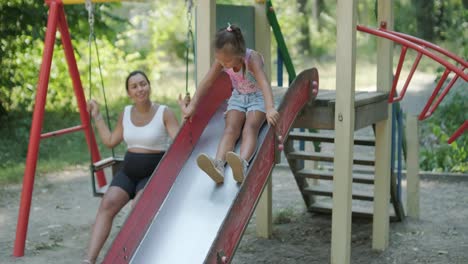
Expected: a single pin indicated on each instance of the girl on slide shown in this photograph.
(250, 103)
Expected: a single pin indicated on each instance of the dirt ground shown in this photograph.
(63, 210)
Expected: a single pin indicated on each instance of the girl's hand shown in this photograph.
(186, 106)
(93, 108)
(184, 102)
(272, 116)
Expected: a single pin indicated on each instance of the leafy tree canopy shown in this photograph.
(22, 29)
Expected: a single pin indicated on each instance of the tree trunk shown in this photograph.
(425, 23)
(304, 43)
(318, 6)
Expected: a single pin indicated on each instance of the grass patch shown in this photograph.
(46, 246)
(284, 216)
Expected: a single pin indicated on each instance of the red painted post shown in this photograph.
(34, 137)
(56, 18)
(391, 97)
(80, 97)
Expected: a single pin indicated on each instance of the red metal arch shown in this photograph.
(433, 52)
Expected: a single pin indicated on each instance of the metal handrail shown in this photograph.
(458, 132)
(423, 47)
(464, 64)
(420, 49)
(429, 45)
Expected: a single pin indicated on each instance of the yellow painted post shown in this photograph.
(380, 227)
(310, 164)
(76, 2)
(205, 29)
(412, 165)
(344, 128)
(264, 210)
(263, 36)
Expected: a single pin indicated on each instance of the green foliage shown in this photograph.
(323, 30)
(60, 91)
(169, 39)
(152, 37)
(122, 48)
(452, 27)
(438, 21)
(436, 153)
(52, 152)
(22, 30)
(290, 22)
(58, 152)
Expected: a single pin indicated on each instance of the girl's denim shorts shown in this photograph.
(246, 102)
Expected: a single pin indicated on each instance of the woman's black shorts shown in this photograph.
(136, 170)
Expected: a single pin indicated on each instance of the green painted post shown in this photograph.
(280, 40)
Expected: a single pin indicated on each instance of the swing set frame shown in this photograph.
(56, 21)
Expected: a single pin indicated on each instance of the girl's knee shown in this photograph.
(250, 130)
(233, 131)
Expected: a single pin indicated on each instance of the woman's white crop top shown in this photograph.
(152, 136)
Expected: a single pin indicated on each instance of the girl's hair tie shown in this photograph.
(229, 27)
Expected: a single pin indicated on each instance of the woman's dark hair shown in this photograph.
(230, 38)
(133, 73)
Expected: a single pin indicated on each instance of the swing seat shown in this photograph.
(110, 166)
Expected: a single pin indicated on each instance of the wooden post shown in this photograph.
(380, 227)
(344, 128)
(311, 164)
(412, 166)
(205, 29)
(263, 212)
(262, 45)
(263, 36)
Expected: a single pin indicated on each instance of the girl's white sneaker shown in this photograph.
(214, 168)
(238, 166)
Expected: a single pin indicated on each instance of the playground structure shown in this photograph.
(345, 115)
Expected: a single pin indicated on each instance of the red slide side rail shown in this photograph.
(301, 92)
(431, 51)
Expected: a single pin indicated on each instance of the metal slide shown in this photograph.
(183, 216)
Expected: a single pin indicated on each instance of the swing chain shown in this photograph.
(189, 13)
(89, 8)
(92, 39)
(190, 42)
